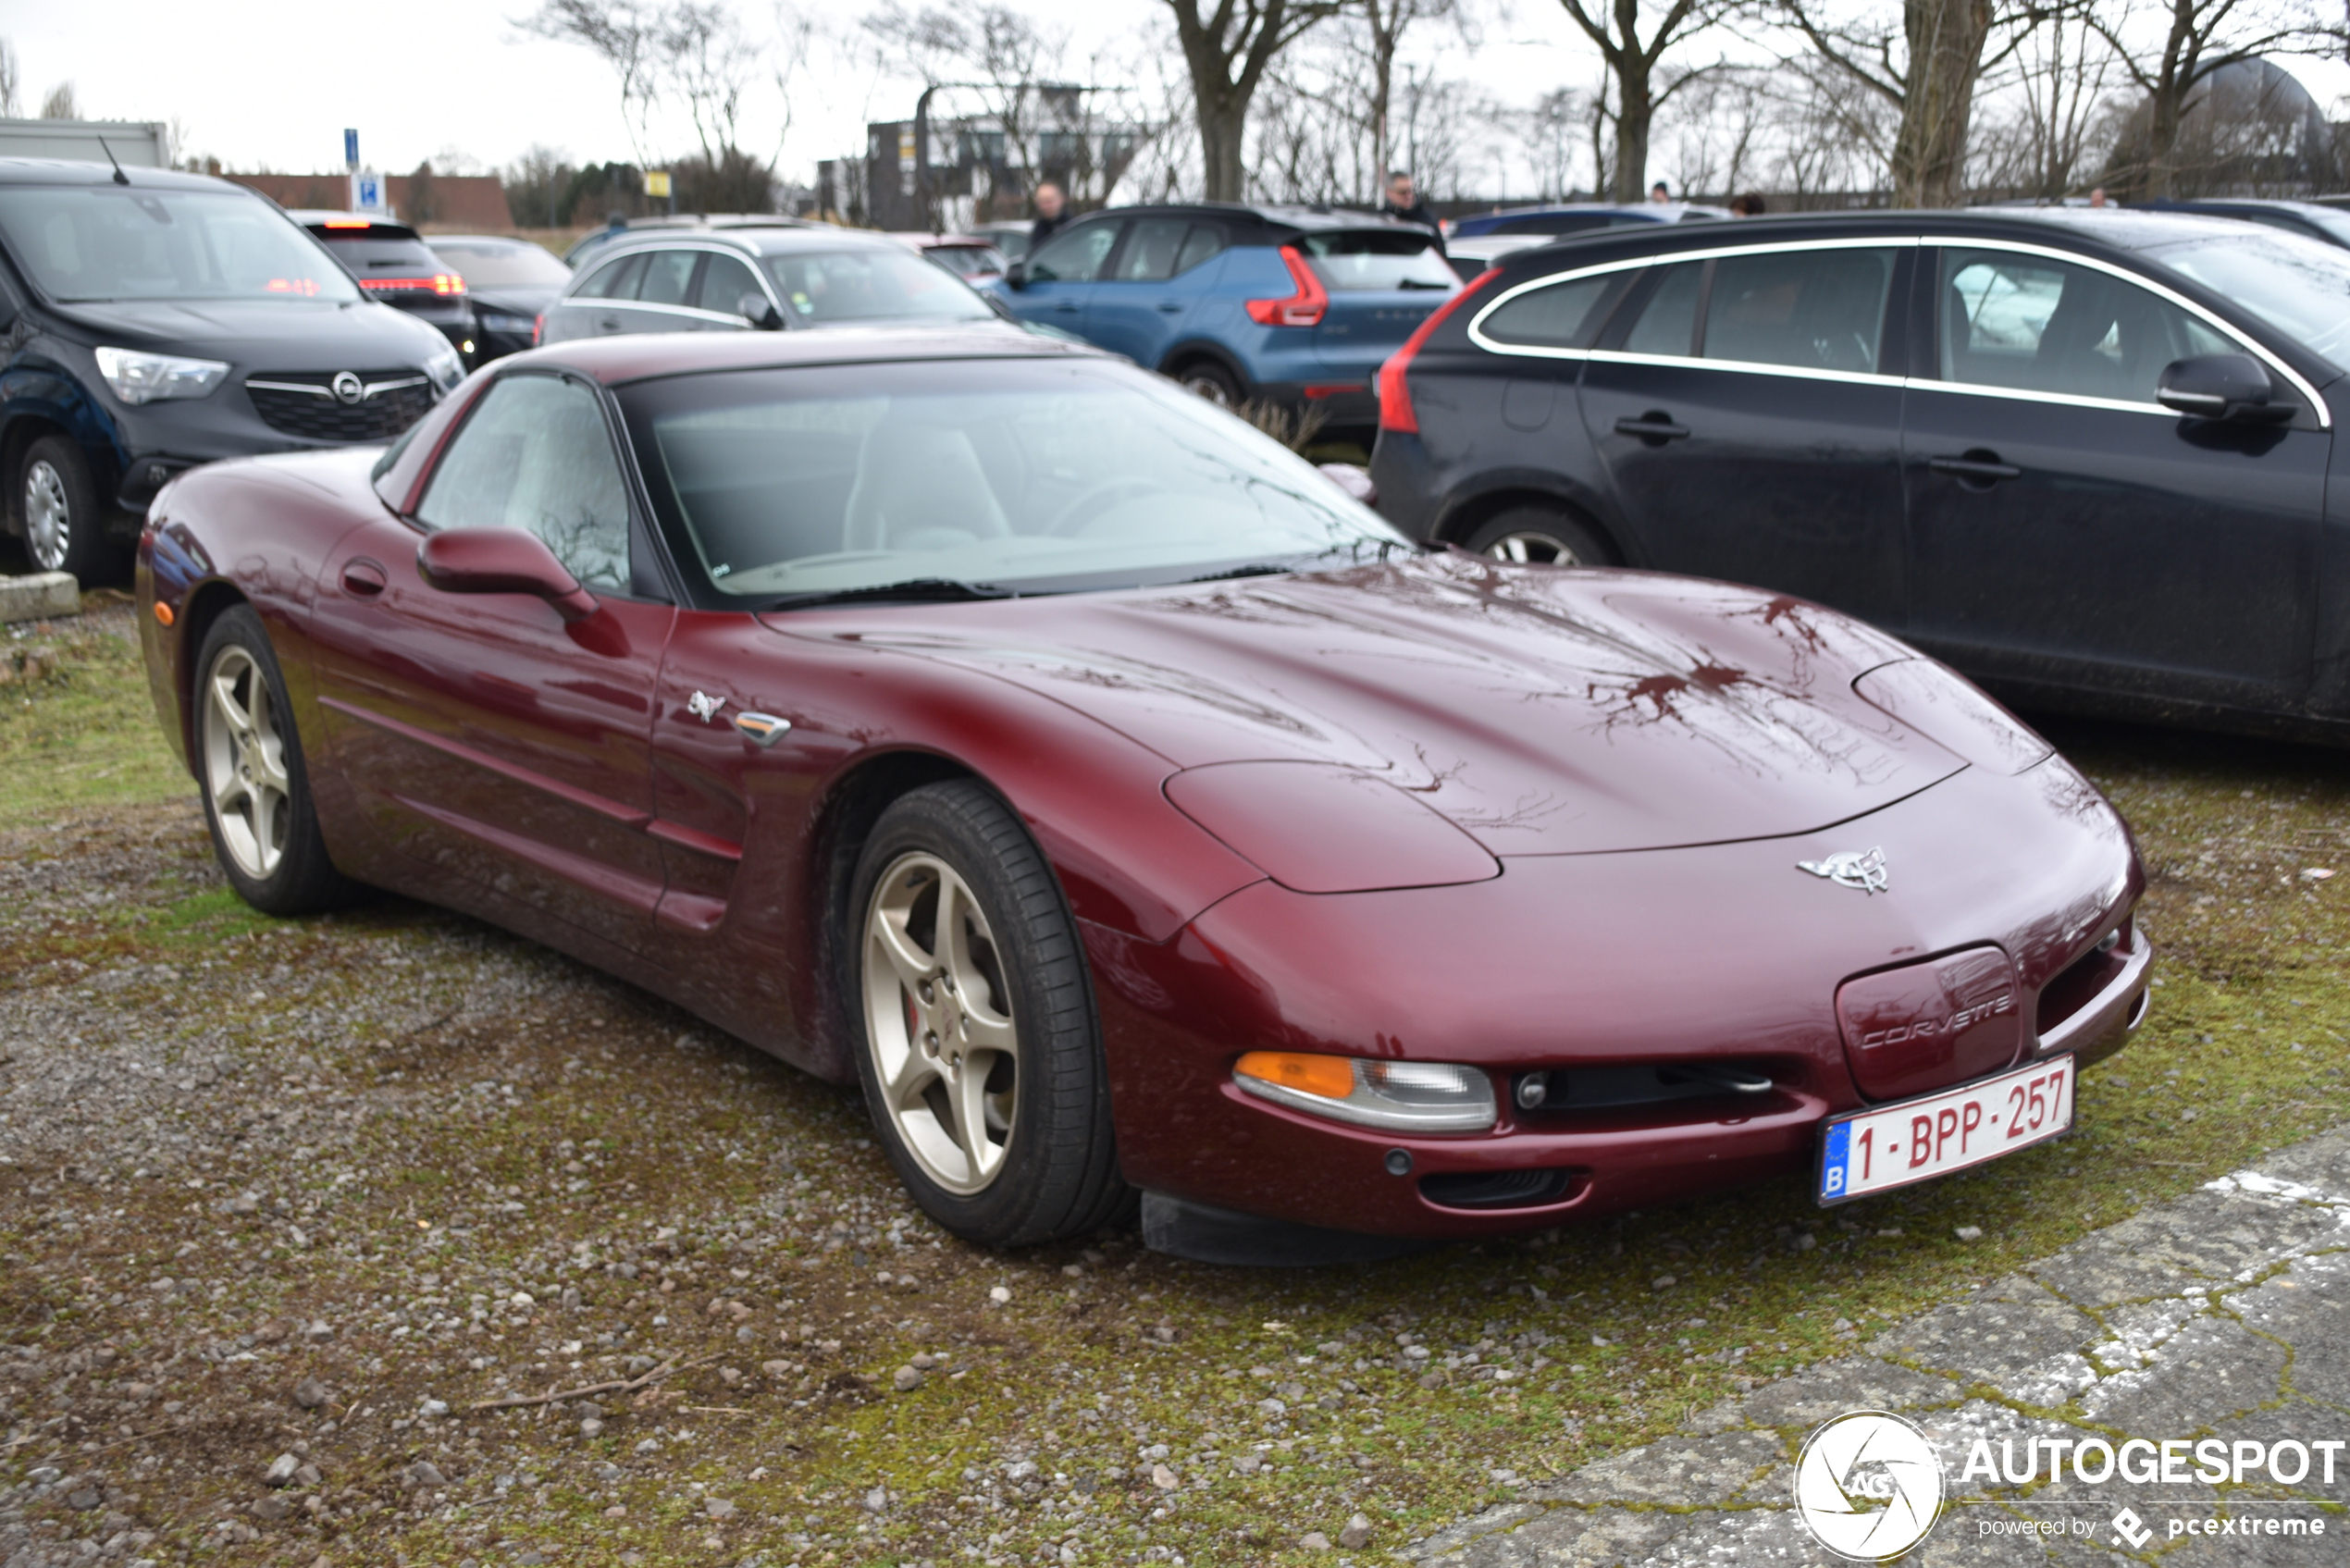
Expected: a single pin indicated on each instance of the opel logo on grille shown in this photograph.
(347, 387)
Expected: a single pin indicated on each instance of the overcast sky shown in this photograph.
(272, 85)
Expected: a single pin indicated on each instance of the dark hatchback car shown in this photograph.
(153, 321)
(738, 280)
(394, 264)
(509, 281)
(2083, 454)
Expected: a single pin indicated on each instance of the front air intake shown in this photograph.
(1499, 1188)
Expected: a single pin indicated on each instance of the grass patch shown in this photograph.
(85, 735)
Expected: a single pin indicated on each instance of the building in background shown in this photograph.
(134, 144)
(947, 169)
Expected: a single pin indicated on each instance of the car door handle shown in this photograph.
(363, 577)
(1653, 427)
(1172, 307)
(1066, 307)
(1976, 468)
(608, 323)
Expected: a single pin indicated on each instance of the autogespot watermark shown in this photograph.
(1869, 1486)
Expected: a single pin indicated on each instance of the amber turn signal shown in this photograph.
(1333, 1078)
(164, 616)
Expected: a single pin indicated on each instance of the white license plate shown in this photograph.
(1865, 1152)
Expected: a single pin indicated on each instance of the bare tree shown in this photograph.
(1927, 65)
(9, 107)
(2051, 118)
(626, 36)
(1384, 22)
(1551, 131)
(1634, 66)
(1227, 50)
(59, 103)
(2199, 37)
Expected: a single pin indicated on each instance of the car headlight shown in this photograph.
(139, 378)
(1402, 1096)
(446, 369)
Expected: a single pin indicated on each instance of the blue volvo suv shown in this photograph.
(1284, 305)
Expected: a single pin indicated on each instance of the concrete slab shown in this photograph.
(45, 596)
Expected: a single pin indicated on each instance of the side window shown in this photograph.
(1073, 257)
(724, 281)
(1203, 243)
(535, 455)
(1820, 310)
(1152, 245)
(1554, 318)
(615, 280)
(669, 275)
(1668, 322)
(2036, 325)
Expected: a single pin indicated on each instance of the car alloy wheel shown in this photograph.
(244, 764)
(939, 1021)
(48, 517)
(1532, 549)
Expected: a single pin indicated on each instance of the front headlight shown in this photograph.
(141, 378)
(1402, 1097)
(445, 369)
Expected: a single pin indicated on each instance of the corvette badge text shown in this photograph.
(1869, 1486)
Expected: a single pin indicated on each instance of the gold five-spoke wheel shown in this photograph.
(939, 1023)
(244, 763)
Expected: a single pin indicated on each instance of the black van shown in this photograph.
(152, 320)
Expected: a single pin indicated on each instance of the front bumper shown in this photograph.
(1726, 954)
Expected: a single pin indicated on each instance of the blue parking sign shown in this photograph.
(368, 191)
(350, 148)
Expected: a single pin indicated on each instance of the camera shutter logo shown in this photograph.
(1868, 1486)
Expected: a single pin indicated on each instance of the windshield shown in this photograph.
(116, 242)
(485, 264)
(2299, 286)
(875, 285)
(1019, 474)
(1376, 260)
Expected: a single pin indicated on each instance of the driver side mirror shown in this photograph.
(760, 311)
(1016, 276)
(2228, 387)
(501, 561)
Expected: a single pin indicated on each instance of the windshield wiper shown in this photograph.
(936, 591)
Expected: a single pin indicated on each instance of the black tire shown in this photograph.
(1058, 1175)
(1539, 536)
(1207, 378)
(65, 522)
(272, 854)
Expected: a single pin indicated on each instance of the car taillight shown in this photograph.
(1305, 308)
(439, 283)
(539, 330)
(1396, 412)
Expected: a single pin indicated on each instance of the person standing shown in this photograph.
(1748, 203)
(1657, 193)
(1403, 205)
(1051, 212)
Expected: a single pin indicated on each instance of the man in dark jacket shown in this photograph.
(1052, 211)
(1403, 206)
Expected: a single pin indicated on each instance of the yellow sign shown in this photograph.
(656, 182)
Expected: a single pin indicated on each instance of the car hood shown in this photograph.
(264, 334)
(1541, 712)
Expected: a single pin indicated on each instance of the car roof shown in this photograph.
(1268, 217)
(1655, 212)
(750, 240)
(509, 240)
(75, 171)
(2120, 228)
(352, 223)
(2214, 203)
(627, 357)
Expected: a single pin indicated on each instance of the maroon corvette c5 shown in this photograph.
(1129, 811)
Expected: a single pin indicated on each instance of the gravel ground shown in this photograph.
(295, 1215)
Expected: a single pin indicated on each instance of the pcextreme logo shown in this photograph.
(1868, 1486)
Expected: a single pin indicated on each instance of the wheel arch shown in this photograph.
(1464, 518)
(205, 605)
(852, 806)
(1193, 350)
